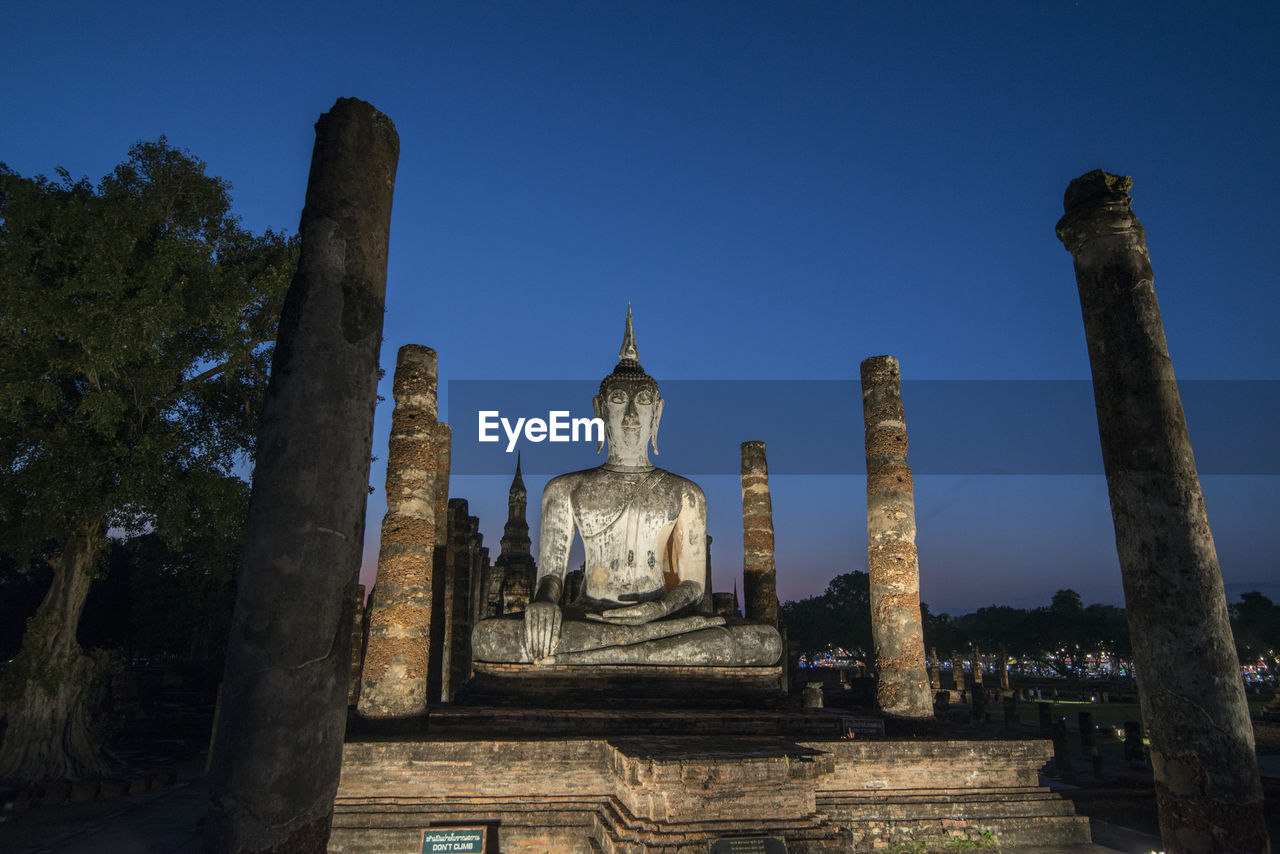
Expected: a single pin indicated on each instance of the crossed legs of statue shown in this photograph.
(694, 640)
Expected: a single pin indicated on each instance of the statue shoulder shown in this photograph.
(687, 488)
(560, 487)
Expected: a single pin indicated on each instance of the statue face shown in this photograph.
(631, 412)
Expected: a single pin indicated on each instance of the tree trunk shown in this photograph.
(47, 736)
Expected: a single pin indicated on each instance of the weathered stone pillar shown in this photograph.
(725, 605)
(1046, 719)
(1002, 667)
(1061, 751)
(477, 561)
(441, 580)
(1088, 734)
(397, 660)
(278, 750)
(457, 604)
(1011, 723)
(902, 686)
(978, 698)
(491, 586)
(957, 670)
(479, 568)
(759, 576)
(357, 646)
(977, 665)
(935, 677)
(1133, 750)
(1206, 773)
(573, 580)
(706, 606)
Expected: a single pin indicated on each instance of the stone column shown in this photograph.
(759, 576)
(396, 662)
(1061, 752)
(935, 678)
(1206, 774)
(1088, 734)
(491, 601)
(706, 606)
(278, 751)
(957, 670)
(1002, 667)
(977, 665)
(441, 579)
(357, 646)
(1133, 750)
(902, 686)
(456, 605)
(1011, 714)
(490, 586)
(479, 567)
(724, 605)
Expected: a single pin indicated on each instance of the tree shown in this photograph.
(994, 625)
(942, 632)
(849, 602)
(135, 323)
(1055, 632)
(839, 618)
(1255, 624)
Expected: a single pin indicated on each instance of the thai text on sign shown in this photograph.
(453, 840)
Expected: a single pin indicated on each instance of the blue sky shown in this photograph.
(779, 189)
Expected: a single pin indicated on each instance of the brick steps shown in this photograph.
(667, 794)
(1018, 816)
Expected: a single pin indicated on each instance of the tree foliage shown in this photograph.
(838, 619)
(1255, 623)
(132, 361)
(135, 323)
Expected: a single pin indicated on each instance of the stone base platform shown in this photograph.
(664, 794)
(605, 686)
(483, 723)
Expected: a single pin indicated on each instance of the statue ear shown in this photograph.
(657, 419)
(597, 409)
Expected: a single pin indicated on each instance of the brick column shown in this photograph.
(395, 678)
(1206, 773)
(902, 686)
(1002, 666)
(456, 659)
(759, 575)
(357, 646)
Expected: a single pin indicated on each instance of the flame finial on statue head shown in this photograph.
(628, 367)
(628, 352)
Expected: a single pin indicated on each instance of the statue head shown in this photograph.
(629, 405)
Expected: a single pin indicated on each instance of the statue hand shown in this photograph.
(541, 629)
(635, 615)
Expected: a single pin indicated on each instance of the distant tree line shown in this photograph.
(1060, 635)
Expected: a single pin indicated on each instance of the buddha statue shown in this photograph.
(644, 532)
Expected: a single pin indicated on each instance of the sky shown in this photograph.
(779, 190)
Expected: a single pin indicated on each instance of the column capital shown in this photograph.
(1097, 204)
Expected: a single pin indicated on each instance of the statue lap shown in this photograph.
(684, 641)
